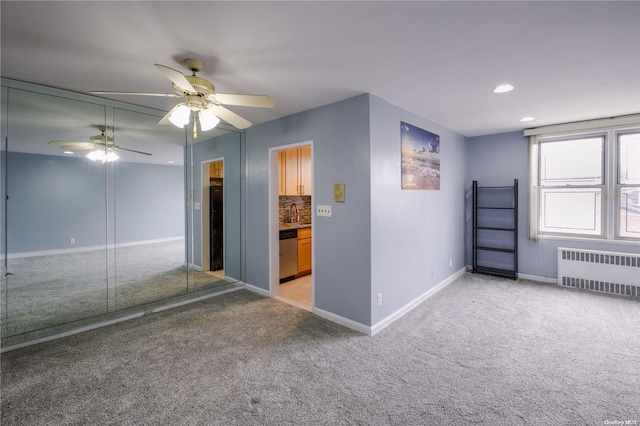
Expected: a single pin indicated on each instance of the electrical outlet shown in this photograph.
(324, 211)
(450, 262)
(72, 241)
(431, 271)
(379, 299)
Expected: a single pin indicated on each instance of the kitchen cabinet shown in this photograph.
(295, 171)
(216, 169)
(304, 251)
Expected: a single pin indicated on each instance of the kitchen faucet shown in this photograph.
(294, 218)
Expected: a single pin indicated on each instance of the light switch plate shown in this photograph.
(324, 211)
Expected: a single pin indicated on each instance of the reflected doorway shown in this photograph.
(213, 217)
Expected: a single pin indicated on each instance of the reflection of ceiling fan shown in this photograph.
(202, 98)
(104, 147)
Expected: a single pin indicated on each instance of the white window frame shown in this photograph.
(611, 129)
(619, 186)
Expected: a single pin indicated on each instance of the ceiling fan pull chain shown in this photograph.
(195, 129)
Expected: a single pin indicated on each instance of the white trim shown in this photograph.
(89, 248)
(195, 299)
(537, 278)
(346, 322)
(579, 126)
(409, 306)
(254, 289)
(70, 332)
(195, 267)
(273, 216)
(371, 330)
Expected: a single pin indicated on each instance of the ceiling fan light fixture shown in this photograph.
(208, 119)
(105, 157)
(180, 116)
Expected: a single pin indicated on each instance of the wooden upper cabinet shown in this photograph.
(291, 172)
(305, 171)
(216, 169)
(295, 171)
(282, 176)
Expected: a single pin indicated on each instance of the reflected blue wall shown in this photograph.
(54, 198)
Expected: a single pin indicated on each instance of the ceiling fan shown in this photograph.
(104, 147)
(201, 97)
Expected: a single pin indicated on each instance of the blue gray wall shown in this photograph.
(342, 243)
(54, 198)
(497, 160)
(414, 233)
(149, 201)
(228, 147)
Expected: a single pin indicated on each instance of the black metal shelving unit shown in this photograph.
(495, 230)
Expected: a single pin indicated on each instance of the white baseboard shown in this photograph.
(258, 290)
(371, 330)
(195, 299)
(538, 278)
(354, 325)
(409, 306)
(70, 332)
(72, 250)
(529, 277)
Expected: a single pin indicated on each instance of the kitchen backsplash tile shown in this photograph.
(302, 202)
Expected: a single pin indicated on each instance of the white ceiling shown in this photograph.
(568, 61)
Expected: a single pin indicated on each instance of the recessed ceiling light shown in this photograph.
(171, 162)
(527, 119)
(68, 152)
(504, 88)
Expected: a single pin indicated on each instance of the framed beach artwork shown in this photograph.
(420, 158)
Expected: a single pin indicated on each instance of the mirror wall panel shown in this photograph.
(149, 199)
(86, 241)
(56, 214)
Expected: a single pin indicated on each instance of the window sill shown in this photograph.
(588, 240)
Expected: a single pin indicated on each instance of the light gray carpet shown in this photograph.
(44, 291)
(482, 351)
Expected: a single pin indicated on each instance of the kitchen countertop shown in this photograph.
(296, 225)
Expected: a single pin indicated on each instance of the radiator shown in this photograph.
(606, 272)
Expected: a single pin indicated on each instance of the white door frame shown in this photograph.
(204, 214)
(274, 235)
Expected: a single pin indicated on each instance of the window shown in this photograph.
(571, 185)
(628, 185)
(586, 184)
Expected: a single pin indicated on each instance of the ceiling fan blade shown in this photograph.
(177, 78)
(131, 150)
(166, 95)
(230, 117)
(260, 101)
(73, 146)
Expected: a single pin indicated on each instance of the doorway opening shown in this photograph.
(212, 217)
(291, 225)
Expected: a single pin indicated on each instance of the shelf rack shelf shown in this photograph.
(495, 232)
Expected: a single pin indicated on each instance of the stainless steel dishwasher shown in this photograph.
(288, 254)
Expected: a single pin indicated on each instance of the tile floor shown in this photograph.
(297, 292)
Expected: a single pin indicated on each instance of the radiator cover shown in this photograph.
(606, 272)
